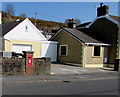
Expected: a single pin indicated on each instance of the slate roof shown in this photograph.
(83, 25)
(9, 26)
(117, 18)
(81, 36)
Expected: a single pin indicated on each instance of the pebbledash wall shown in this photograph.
(78, 53)
(74, 46)
(93, 61)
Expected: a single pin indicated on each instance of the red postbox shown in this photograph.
(28, 62)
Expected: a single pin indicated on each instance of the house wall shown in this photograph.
(49, 50)
(7, 45)
(1, 44)
(25, 34)
(36, 46)
(74, 54)
(21, 33)
(106, 31)
(118, 46)
(93, 61)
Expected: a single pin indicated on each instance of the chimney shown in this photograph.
(102, 10)
(71, 24)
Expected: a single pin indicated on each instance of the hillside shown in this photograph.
(41, 24)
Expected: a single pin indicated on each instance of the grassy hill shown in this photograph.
(39, 23)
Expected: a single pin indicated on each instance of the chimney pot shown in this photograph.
(101, 4)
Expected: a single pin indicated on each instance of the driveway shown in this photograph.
(64, 73)
(61, 69)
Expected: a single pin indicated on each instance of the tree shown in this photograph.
(22, 15)
(77, 21)
(9, 9)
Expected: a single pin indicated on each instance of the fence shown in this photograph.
(16, 66)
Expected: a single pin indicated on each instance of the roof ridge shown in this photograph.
(85, 37)
(117, 18)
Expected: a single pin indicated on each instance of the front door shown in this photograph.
(105, 55)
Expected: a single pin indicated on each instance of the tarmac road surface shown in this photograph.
(88, 87)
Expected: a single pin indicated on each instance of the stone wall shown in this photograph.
(16, 66)
(13, 66)
(42, 66)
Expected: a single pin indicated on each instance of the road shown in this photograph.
(65, 80)
(85, 87)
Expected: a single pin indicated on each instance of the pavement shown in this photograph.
(65, 73)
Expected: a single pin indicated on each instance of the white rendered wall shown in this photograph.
(20, 32)
(49, 49)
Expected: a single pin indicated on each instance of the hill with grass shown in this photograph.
(40, 24)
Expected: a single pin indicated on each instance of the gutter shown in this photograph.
(98, 44)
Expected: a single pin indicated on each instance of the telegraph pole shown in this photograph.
(35, 18)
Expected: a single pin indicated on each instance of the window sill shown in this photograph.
(96, 56)
(26, 30)
(63, 55)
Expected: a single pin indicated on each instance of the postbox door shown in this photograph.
(29, 61)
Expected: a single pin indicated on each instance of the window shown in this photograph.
(63, 50)
(26, 28)
(97, 50)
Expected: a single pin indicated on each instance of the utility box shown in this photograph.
(28, 62)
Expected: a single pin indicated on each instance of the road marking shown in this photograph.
(102, 78)
(52, 73)
(64, 69)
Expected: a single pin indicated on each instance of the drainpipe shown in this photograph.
(84, 55)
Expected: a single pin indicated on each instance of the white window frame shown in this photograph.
(60, 50)
(100, 52)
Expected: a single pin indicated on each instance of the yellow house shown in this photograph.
(22, 35)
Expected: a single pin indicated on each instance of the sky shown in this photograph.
(59, 11)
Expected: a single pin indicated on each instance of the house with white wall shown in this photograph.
(22, 35)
